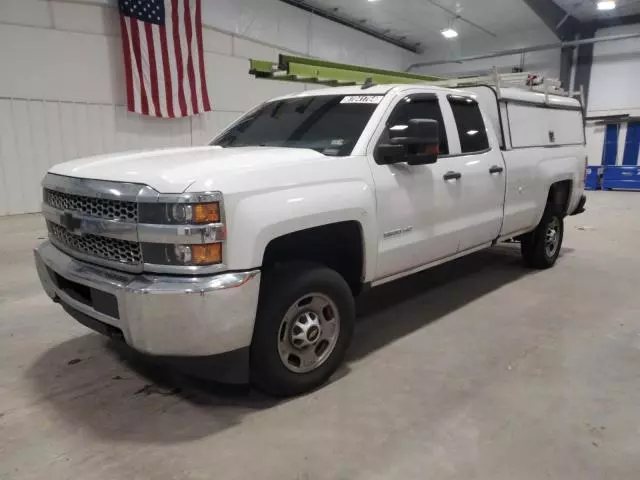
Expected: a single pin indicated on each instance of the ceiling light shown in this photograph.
(606, 5)
(449, 33)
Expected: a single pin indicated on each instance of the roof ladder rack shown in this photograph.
(308, 70)
(291, 68)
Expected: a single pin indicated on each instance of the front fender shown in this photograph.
(257, 219)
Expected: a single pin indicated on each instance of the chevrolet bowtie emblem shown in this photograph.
(71, 223)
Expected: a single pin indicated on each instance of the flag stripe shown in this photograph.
(153, 71)
(156, 31)
(135, 84)
(144, 74)
(126, 52)
(203, 79)
(135, 37)
(178, 52)
(184, 48)
(171, 62)
(190, 71)
(167, 71)
(195, 56)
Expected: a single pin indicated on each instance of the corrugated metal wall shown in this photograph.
(38, 134)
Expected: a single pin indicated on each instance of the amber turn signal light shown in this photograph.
(206, 213)
(208, 254)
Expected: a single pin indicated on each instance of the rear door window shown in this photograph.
(471, 127)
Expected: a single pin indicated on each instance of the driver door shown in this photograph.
(419, 206)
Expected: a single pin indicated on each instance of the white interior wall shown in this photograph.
(546, 62)
(613, 88)
(594, 135)
(62, 88)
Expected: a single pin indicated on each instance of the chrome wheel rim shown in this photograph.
(552, 237)
(308, 333)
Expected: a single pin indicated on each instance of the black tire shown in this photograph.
(536, 252)
(282, 286)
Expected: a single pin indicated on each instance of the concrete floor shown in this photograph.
(475, 370)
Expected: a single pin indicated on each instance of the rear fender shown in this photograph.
(555, 170)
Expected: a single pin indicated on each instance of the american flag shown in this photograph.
(163, 57)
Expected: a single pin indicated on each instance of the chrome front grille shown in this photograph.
(123, 226)
(111, 249)
(93, 207)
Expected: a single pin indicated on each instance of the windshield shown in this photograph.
(329, 124)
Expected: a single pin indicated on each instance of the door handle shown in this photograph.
(496, 169)
(452, 176)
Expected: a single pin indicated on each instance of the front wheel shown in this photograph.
(541, 248)
(303, 328)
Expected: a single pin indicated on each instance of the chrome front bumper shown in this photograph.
(157, 315)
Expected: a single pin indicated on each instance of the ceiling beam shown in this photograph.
(361, 26)
(560, 22)
(613, 21)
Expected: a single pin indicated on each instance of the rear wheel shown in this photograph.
(541, 248)
(303, 328)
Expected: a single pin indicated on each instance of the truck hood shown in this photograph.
(175, 170)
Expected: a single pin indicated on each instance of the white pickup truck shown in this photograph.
(240, 260)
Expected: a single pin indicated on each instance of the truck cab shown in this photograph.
(240, 260)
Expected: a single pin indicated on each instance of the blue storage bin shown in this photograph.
(593, 178)
(621, 178)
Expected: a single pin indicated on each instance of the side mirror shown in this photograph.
(389, 154)
(417, 143)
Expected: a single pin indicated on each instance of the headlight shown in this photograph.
(182, 230)
(196, 213)
(199, 254)
(180, 213)
(183, 255)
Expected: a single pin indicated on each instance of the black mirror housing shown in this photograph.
(390, 154)
(418, 142)
(419, 131)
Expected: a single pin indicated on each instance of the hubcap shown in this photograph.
(552, 237)
(308, 333)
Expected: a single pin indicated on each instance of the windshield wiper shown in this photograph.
(303, 108)
(276, 109)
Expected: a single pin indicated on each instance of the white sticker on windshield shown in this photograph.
(375, 99)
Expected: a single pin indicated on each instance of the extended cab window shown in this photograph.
(471, 128)
(329, 124)
(412, 107)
